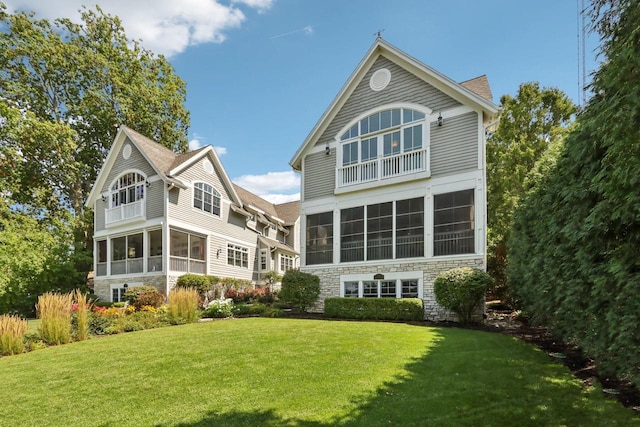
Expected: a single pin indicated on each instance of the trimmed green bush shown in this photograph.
(299, 289)
(409, 309)
(201, 283)
(132, 293)
(140, 296)
(462, 290)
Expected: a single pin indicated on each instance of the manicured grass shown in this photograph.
(293, 372)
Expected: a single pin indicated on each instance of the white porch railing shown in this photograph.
(125, 212)
(383, 168)
(187, 265)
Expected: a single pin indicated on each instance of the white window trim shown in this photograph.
(215, 192)
(398, 276)
(241, 250)
(121, 286)
(110, 191)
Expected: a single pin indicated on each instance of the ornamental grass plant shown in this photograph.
(183, 305)
(12, 331)
(54, 310)
(82, 315)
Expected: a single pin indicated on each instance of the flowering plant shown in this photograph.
(220, 308)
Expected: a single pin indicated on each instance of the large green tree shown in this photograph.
(573, 251)
(65, 88)
(529, 123)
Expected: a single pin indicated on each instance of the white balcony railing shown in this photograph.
(383, 168)
(125, 212)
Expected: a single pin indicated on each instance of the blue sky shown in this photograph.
(260, 73)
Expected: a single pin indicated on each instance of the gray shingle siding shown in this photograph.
(135, 161)
(403, 87)
(319, 175)
(454, 146)
(155, 200)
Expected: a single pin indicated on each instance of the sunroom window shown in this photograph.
(454, 223)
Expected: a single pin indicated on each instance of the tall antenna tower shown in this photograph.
(582, 57)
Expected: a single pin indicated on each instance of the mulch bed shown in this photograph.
(581, 366)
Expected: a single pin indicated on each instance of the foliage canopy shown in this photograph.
(573, 249)
(65, 88)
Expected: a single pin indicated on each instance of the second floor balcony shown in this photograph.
(126, 212)
(382, 168)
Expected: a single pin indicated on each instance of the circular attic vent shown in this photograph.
(380, 79)
(207, 166)
(126, 151)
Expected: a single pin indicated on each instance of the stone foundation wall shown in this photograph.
(330, 280)
(102, 286)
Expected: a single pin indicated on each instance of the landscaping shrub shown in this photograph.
(133, 293)
(196, 281)
(149, 299)
(55, 312)
(273, 312)
(220, 308)
(12, 332)
(299, 289)
(408, 309)
(183, 305)
(462, 290)
(242, 310)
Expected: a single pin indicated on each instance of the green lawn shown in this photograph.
(293, 372)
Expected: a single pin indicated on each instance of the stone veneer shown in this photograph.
(102, 286)
(330, 280)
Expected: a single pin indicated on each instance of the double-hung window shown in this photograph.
(237, 255)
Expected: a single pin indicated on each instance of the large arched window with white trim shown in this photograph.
(206, 198)
(128, 188)
(387, 143)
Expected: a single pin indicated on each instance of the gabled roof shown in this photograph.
(480, 86)
(277, 245)
(165, 162)
(287, 213)
(382, 48)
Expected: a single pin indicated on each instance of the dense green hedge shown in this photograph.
(573, 253)
(374, 308)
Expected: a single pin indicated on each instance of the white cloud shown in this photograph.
(165, 26)
(276, 199)
(221, 151)
(272, 186)
(194, 144)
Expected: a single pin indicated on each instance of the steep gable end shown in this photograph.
(437, 91)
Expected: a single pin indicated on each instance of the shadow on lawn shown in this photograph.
(474, 379)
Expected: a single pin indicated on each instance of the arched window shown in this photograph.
(388, 143)
(206, 198)
(128, 188)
